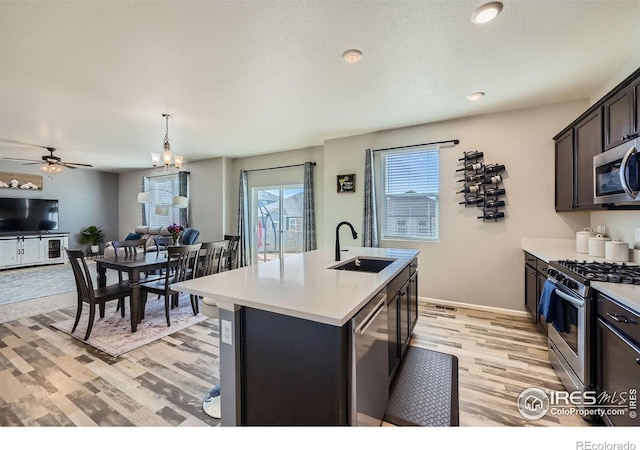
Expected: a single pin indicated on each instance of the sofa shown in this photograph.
(147, 233)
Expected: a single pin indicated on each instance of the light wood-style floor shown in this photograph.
(48, 378)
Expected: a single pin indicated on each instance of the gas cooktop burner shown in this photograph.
(602, 271)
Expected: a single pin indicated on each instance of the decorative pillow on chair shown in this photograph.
(133, 236)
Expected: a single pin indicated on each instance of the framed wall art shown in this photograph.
(347, 183)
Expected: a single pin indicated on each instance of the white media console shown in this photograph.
(33, 249)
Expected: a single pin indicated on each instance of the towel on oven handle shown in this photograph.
(552, 309)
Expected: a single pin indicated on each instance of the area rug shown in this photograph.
(34, 282)
(113, 335)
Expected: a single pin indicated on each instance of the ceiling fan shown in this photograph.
(49, 163)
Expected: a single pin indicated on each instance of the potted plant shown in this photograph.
(94, 236)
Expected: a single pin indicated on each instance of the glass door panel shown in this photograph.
(277, 222)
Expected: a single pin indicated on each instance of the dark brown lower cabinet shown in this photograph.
(535, 274)
(618, 361)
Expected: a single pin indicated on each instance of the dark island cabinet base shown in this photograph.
(295, 371)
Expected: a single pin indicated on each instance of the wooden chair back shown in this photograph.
(179, 260)
(210, 259)
(231, 251)
(82, 276)
(162, 242)
(131, 247)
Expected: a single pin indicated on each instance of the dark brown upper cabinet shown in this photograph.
(588, 143)
(564, 171)
(621, 120)
(575, 149)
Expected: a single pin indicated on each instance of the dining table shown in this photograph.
(133, 266)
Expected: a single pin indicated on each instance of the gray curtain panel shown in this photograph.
(308, 210)
(183, 190)
(244, 246)
(370, 220)
(145, 188)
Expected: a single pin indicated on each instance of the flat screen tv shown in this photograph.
(23, 215)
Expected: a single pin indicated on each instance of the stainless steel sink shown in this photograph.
(364, 265)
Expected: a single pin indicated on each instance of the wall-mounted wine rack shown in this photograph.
(481, 185)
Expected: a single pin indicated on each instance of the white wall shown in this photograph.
(86, 196)
(474, 262)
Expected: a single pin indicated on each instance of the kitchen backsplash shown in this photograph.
(619, 225)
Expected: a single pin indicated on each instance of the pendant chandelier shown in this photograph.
(166, 154)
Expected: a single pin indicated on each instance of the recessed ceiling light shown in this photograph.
(352, 56)
(475, 96)
(486, 12)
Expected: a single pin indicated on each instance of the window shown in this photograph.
(410, 194)
(295, 223)
(422, 227)
(162, 190)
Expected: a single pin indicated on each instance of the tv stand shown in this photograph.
(33, 249)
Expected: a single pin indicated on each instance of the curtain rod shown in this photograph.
(279, 167)
(455, 142)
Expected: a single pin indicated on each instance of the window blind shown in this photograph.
(410, 194)
(162, 190)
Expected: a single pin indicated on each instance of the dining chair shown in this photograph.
(162, 242)
(179, 260)
(230, 254)
(90, 295)
(209, 262)
(130, 247)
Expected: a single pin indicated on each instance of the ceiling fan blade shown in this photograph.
(31, 163)
(21, 159)
(9, 141)
(74, 165)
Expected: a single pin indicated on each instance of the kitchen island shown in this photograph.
(286, 334)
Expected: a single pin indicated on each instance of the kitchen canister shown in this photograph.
(582, 240)
(616, 251)
(596, 245)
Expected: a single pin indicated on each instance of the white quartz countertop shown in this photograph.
(555, 249)
(627, 294)
(303, 285)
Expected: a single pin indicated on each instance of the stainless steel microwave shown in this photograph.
(616, 174)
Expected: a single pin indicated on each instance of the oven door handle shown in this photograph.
(572, 300)
(623, 172)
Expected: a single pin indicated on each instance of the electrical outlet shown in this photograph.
(226, 332)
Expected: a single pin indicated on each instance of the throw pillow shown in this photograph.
(132, 237)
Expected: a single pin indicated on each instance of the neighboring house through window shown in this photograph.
(410, 194)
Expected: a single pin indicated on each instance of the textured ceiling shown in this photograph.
(244, 78)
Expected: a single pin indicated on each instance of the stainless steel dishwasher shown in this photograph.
(370, 363)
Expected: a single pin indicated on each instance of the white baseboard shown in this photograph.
(511, 312)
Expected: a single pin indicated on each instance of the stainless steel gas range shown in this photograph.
(572, 332)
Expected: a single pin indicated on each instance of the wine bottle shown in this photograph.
(494, 168)
(475, 166)
(491, 215)
(470, 178)
(492, 203)
(492, 180)
(471, 155)
(494, 192)
(471, 200)
(473, 189)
